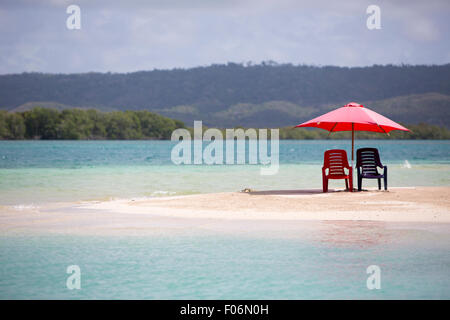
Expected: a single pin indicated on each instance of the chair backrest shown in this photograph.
(336, 160)
(368, 159)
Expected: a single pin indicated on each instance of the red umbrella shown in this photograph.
(353, 117)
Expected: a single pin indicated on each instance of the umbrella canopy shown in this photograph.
(353, 117)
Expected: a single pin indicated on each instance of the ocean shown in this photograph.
(34, 172)
(326, 260)
(314, 260)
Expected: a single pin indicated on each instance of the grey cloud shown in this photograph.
(140, 35)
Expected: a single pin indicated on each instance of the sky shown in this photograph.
(134, 35)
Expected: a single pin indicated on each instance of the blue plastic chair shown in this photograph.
(367, 162)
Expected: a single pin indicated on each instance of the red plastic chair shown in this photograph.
(336, 161)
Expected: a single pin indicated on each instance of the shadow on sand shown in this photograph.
(288, 192)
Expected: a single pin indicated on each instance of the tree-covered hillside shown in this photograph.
(234, 94)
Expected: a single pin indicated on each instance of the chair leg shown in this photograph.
(379, 183)
(346, 184)
(325, 184)
(351, 183)
(385, 177)
(359, 176)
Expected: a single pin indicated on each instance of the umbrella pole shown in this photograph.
(353, 148)
(353, 141)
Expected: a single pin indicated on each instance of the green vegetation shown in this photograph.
(225, 96)
(76, 124)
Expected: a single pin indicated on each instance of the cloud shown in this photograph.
(423, 30)
(124, 36)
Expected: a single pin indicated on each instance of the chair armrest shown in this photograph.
(349, 168)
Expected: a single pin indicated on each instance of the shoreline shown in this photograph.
(404, 204)
(267, 210)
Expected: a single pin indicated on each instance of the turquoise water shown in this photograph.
(319, 265)
(33, 172)
(309, 260)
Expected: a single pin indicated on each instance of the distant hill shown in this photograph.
(432, 108)
(265, 95)
(51, 105)
(43, 104)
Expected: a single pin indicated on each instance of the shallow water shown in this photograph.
(323, 261)
(320, 260)
(46, 171)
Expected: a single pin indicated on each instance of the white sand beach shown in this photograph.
(236, 210)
